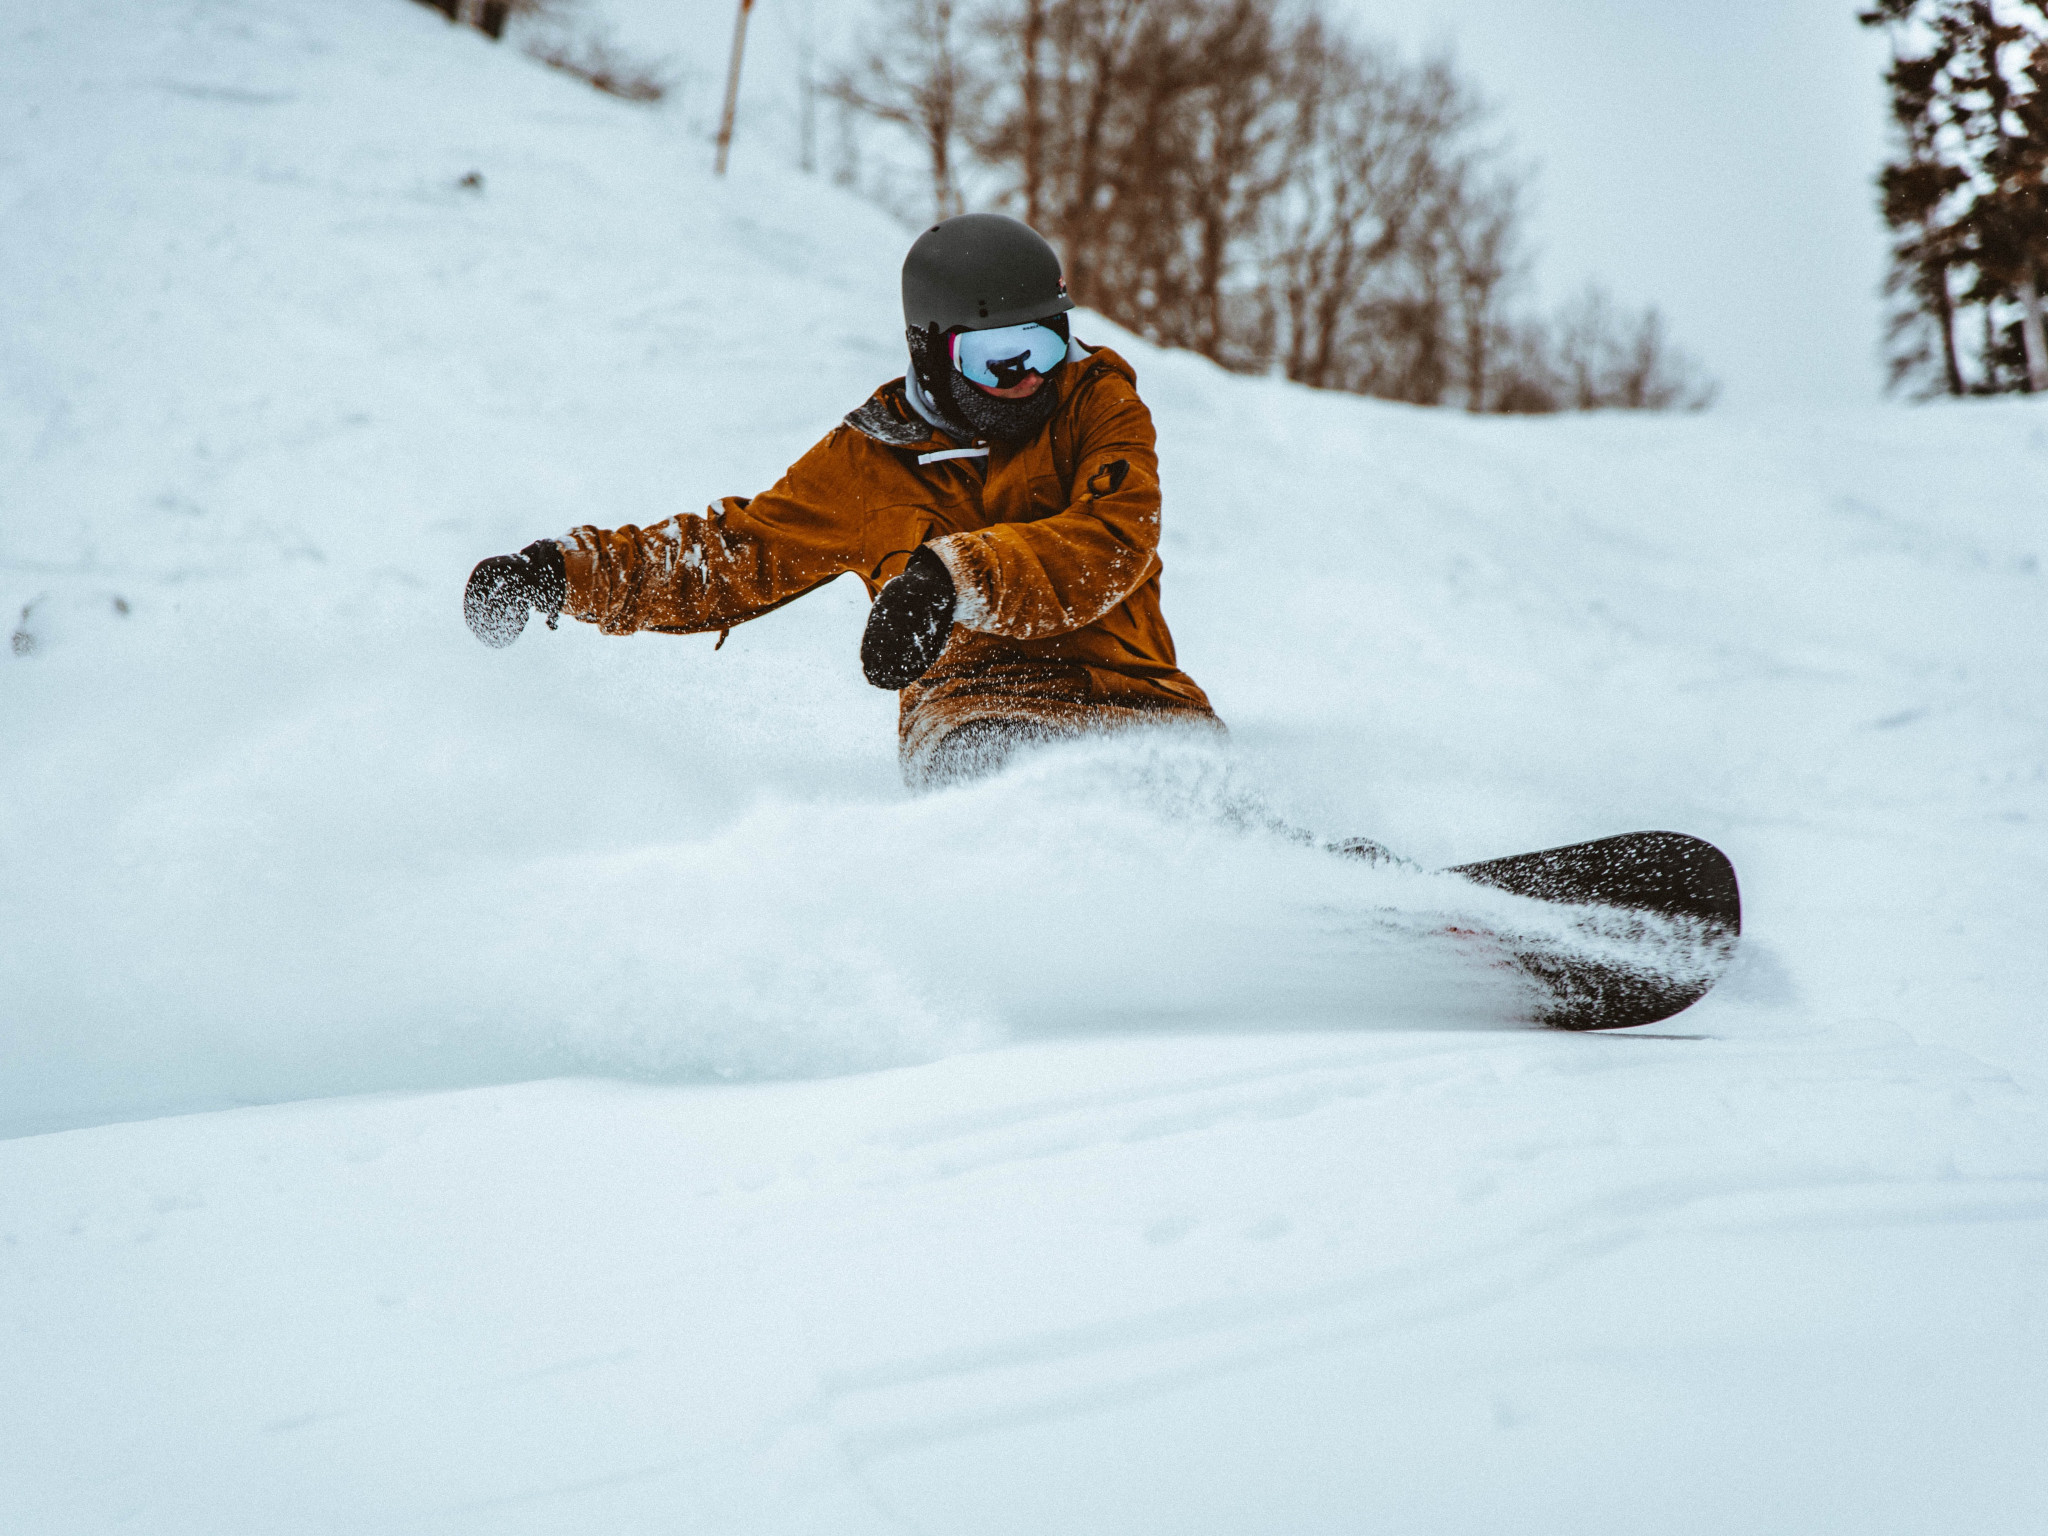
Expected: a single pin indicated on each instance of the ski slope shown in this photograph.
(577, 1089)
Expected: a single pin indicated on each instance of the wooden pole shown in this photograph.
(732, 85)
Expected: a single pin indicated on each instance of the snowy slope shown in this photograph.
(738, 1144)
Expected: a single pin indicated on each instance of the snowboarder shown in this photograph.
(1000, 501)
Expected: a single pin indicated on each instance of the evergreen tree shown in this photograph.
(1967, 199)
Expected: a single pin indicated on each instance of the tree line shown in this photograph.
(1252, 180)
(1966, 194)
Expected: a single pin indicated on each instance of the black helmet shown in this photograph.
(980, 270)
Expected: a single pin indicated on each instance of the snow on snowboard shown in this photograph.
(1654, 918)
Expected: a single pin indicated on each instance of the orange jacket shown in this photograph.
(1053, 547)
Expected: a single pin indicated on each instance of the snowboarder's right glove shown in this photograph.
(909, 623)
(502, 588)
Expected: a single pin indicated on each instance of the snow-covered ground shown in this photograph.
(576, 1089)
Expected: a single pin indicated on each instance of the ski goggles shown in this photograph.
(1001, 357)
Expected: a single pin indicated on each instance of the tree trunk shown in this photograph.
(939, 131)
(1476, 348)
(1034, 109)
(1087, 176)
(1946, 313)
(807, 94)
(1478, 342)
(2031, 334)
(942, 110)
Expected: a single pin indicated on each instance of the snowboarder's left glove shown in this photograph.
(909, 623)
(502, 588)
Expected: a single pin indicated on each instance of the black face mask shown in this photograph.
(972, 411)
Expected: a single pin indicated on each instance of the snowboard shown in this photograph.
(1654, 919)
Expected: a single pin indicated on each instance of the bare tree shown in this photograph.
(1141, 136)
(1482, 226)
(917, 79)
(1028, 34)
(1082, 118)
(1524, 376)
(1365, 163)
(1247, 179)
(1612, 360)
(1225, 161)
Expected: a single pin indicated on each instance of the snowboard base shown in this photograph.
(1683, 880)
(1661, 912)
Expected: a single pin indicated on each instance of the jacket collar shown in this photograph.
(920, 402)
(899, 415)
(888, 418)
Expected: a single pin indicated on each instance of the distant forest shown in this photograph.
(1248, 179)
(1966, 194)
(1251, 180)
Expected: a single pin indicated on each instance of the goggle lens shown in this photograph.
(1000, 358)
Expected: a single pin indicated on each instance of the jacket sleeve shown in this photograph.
(1032, 580)
(740, 558)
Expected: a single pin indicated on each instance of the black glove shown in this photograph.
(503, 587)
(909, 623)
